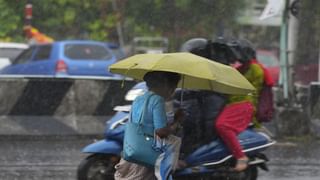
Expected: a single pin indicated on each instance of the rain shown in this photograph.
(57, 94)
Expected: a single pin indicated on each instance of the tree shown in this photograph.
(180, 20)
(11, 22)
(97, 19)
(60, 19)
(67, 19)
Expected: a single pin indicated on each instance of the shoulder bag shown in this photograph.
(138, 145)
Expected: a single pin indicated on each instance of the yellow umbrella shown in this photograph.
(197, 72)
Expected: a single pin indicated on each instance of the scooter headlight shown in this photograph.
(132, 94)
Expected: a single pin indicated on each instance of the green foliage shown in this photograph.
(11, 26)
(98, 19)
(181, 19)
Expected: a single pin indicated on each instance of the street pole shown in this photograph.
(319, 66)
(283, 52)
(119, 27)
(292, 43)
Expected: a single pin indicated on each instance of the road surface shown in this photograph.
(56, 158)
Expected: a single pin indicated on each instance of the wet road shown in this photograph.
(56, 158)
(45, 158)
(295, 160)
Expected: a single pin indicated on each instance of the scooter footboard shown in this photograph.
(216, 151)
(253, 142)
(104, 146)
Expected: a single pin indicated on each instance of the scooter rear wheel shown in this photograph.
(97, 167)
(251, 173)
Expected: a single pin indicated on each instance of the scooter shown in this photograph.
(210, 161)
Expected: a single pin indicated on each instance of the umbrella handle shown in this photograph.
(122, 83)
(182, 85)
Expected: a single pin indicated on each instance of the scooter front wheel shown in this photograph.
(97, 167)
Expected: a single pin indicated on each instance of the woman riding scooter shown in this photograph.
(241, 110)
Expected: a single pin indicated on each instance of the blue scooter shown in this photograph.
(210, 161)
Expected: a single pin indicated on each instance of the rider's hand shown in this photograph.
(179, 115)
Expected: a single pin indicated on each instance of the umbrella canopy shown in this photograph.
(197, 72)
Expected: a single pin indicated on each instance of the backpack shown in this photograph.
(265, 107)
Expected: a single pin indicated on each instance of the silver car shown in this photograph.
(9, 51)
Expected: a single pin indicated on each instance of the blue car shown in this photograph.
(64, 58)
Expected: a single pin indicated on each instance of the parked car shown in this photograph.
(152, 45)
(71, 57)
(117, 50)
(9, 51)
(271, 61)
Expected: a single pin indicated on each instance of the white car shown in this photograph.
(9, 51)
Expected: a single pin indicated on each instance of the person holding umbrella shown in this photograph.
(161, 86)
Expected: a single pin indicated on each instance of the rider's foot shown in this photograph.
(242, 164)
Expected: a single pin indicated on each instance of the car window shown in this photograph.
(10, 53)
(24, 56)
(43, 53)
(86, 51)
(118, 53)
